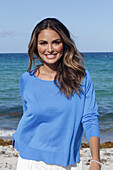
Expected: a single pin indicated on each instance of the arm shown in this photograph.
(94, 144)
(90, 122)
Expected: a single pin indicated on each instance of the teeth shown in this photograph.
(49, 56)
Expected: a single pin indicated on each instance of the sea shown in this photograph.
(13, 65)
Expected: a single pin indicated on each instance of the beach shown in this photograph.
(9, 156)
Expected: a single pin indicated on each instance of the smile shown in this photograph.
(50, 56)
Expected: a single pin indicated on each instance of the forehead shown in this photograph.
(48, 34)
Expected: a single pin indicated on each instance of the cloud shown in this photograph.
(5, 33)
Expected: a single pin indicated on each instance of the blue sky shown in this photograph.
(89, 21)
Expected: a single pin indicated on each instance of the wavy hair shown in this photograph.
(70, 70)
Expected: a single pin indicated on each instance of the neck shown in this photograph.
(49, 68)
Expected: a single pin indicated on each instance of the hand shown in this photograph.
(94, 166)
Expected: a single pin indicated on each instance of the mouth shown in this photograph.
(50, 56)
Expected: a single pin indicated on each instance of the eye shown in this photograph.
(43, 43)
(56, 42)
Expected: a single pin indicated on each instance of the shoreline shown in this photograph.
(6, 134)
(107, 144)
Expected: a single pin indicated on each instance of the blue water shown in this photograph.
(100, 66)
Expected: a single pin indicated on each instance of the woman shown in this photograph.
(58, 103)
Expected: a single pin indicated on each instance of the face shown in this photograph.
(50, 46)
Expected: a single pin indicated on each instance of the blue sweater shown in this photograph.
(51, 127)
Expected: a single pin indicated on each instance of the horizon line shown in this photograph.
(80, 52)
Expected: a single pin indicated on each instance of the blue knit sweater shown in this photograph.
(51, 127)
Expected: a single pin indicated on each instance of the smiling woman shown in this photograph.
(58, 103)
(51, 37)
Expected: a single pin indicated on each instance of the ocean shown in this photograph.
(100, 67)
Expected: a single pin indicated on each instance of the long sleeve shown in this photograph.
(24, 107)
(90, 116)
(22, 85)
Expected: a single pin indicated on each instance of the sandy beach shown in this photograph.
(9, 156)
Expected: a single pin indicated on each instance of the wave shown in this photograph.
(6, 134)
(16, 110)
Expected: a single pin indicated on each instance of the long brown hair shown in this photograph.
(70, 69)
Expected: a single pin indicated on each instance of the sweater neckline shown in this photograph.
(43, 79)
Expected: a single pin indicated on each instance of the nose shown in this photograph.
(50, 48)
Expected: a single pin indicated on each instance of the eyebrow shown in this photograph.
(52, 41)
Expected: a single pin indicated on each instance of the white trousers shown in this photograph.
(25, 164)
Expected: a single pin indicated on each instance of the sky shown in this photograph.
(90, 22)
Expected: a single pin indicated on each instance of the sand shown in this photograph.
(9, 157)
